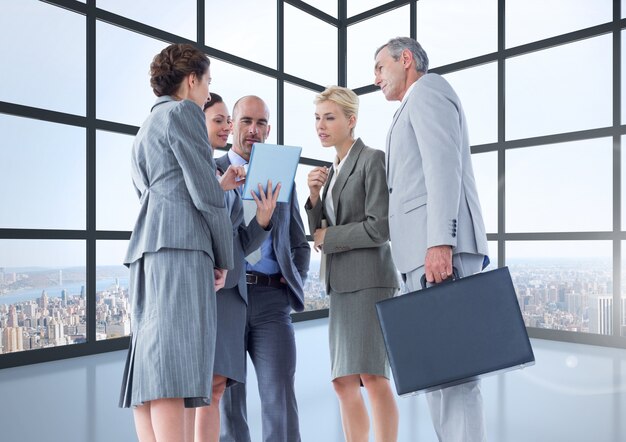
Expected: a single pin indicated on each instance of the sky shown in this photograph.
(42, 172)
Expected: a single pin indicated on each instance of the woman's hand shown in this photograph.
(318, 239)
(233, 178)
(220, 278)
(266, 203)
(316, 180)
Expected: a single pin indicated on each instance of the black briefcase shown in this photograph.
(454, 332)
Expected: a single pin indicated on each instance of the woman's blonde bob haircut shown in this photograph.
(347, 100)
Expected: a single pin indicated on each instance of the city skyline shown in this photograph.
(567, 294)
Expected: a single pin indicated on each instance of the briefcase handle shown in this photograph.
(455, 276)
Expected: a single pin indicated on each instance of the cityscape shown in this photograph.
(41, 308)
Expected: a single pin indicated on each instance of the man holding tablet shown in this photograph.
(275, 278)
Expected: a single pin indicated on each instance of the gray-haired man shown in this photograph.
(435, 221)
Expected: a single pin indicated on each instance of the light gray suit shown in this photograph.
(433, 201)
(182, 232)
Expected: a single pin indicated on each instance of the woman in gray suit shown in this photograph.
(359, 270)
(178, 251)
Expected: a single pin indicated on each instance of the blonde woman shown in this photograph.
(352, 198)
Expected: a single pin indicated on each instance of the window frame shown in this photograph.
(89, 122)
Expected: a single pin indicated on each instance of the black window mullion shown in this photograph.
(342, 44)
(413, 20)
(617, 169)
(91, 172)
(200, 37)
(501, 134)
(280, 65)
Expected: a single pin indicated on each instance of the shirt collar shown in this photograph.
(235, 159)
(337, 165)
(408, 91)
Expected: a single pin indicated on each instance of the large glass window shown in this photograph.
(66, 190)
(486, 173)
(358, 6)
(327, 6)
(563, 187)
(478, 90)
(303, 193)
(246, 28)
(546, 92)
(300, 123)
(42, 294)
(532, 20)
(123, 92)
(310, 47)
(563, 285)
(441, 25)
(315, 296)
(375, 117)
(112, 282)
(366, 37)
(36, 70)
(42, 175)
(117, 203)
(233, 82)
(178, 18)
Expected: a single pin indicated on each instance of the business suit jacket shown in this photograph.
(246, 239)
(290, 245)
(182, 203)
(432, 192)
(357, 247)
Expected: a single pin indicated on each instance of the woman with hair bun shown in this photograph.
(178, 253)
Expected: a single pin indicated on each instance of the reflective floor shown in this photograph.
(574, 393)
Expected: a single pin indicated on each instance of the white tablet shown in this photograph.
(272, 162)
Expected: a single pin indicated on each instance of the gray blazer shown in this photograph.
(357, 247)
(246, 239)
(182, 203)
(432, 193)
(290, 246)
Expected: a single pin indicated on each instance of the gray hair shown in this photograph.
(395, 46)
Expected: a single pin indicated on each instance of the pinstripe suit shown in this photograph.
(181, 233)
(230, 347)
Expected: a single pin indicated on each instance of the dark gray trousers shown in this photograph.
(270, 341)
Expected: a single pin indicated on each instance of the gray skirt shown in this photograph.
(356, 342)
(230, 346)
(173, 328)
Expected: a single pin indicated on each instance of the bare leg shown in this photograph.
(384, 408)
(143, 423)
(190, 423)
(356, 424)
(168, 419)
(208, 418)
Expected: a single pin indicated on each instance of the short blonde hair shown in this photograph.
(342, 96)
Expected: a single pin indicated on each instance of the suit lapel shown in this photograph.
(344, 174)
(388, 144)
(325, 191)
(222, 164)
